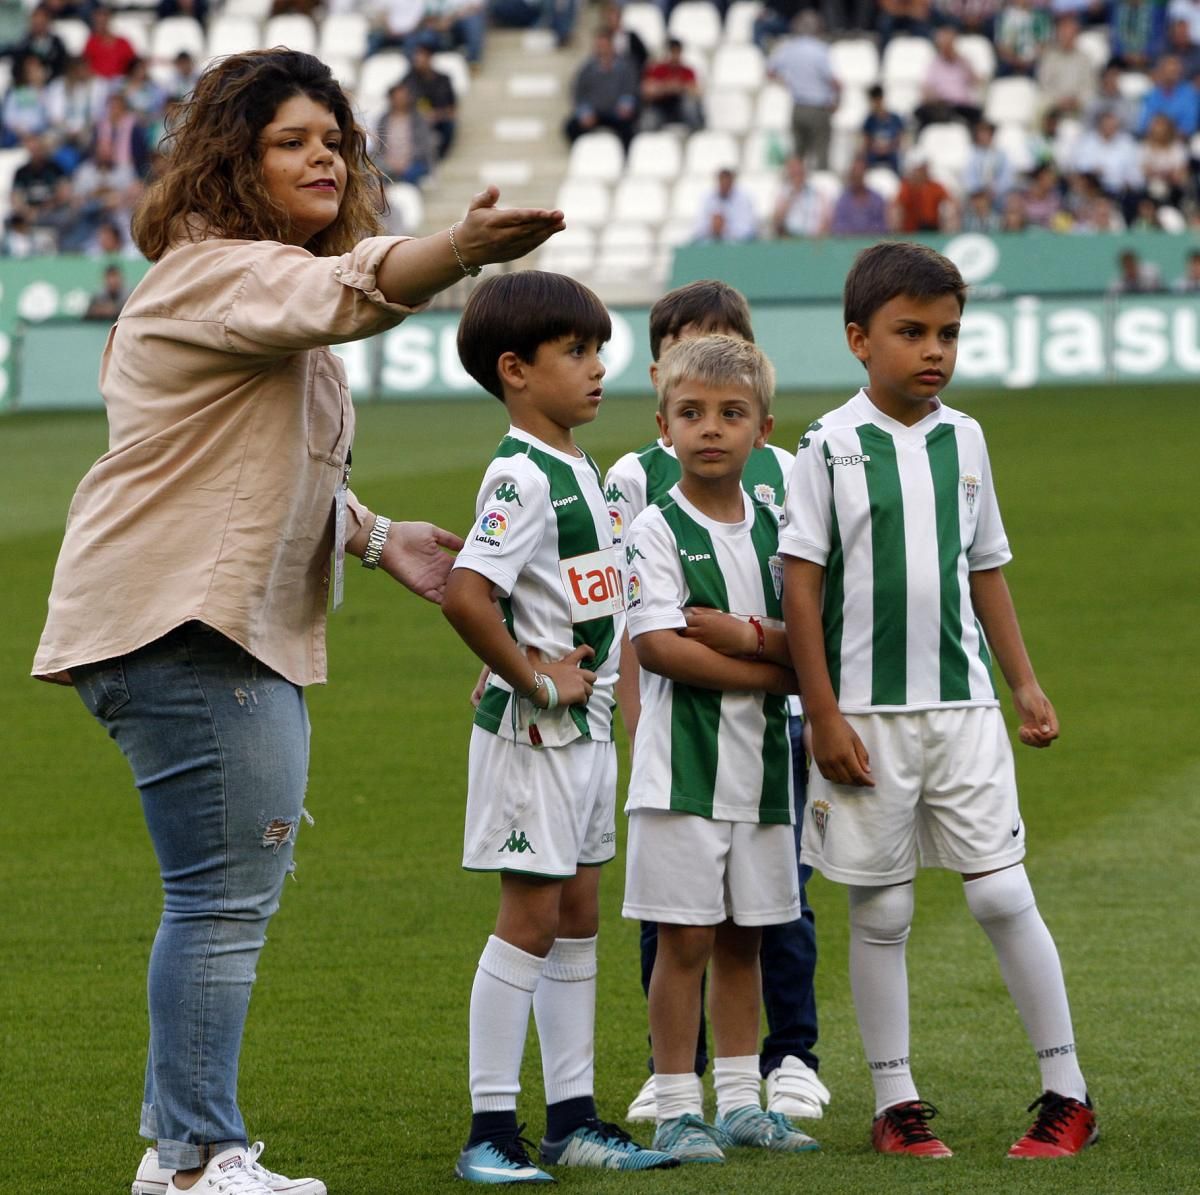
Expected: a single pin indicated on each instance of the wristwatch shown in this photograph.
(375, 542)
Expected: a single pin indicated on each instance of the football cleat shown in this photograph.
(765, 1130)
(497, 1162)
(1063, 1127)
(904, 1129)
(603, 1146)
(690, 1139)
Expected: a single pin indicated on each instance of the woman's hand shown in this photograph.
(413, 555)
(490, 234)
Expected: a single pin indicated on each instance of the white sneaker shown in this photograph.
(152, 1179)
(228, 1173)
(645, 1103)
(794, 1089)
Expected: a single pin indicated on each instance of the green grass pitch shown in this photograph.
(355, 1058)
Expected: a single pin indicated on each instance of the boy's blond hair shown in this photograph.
(717, 361)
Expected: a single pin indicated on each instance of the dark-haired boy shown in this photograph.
(894, 602)
(542, 772)
(787, 1061)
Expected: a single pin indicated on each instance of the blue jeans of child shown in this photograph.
(218, 747)
(788, 959)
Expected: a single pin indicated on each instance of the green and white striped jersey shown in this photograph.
(642, 477)
(543, 536)
(899, 517)
(718, 754)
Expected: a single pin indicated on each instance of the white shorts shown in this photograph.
(539, 812)
(688, 870)
(945, 791)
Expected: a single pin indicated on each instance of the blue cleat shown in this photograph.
(691, 1139)
(499, 1162)
(764, 1130)
(603, 1146)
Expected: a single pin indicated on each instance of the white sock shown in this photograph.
(737, 1082)
(879, 923)
(564, 1010)
(500, 1001)
(1003, 903)
(677, 1095)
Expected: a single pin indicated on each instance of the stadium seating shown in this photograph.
(596, 155)
(174, 34)
(654, 155)
(646, 20)
(696, 23)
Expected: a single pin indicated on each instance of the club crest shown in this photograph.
(970, 485)
(765, 493)
(820, 811)
(776, 566)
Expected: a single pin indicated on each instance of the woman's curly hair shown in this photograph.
(211, 183)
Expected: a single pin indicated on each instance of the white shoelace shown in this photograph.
(239, 1181)
(265, 1176)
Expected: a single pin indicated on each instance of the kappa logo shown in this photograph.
(632, 551)
(854, 459)
(507, 492)
(493, 527)
(607, 837)
(970, 485)
(593, 584)
(618, 524)
(696, 557)
(613, 493)
(804, 440)
(560, 502)
(765, 493)
(516, 844)
(820, 810)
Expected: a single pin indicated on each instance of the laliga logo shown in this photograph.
(493, 527)
(618, 525)
(633, 592)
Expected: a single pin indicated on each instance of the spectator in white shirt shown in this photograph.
(727, 214)
(802, 64)
(987, 168)
(1066, 74)
(801, 210)
(1112, 155)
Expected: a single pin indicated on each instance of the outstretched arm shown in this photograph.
(413, 554)
(415, 270)
(998, 617)
(836, 749)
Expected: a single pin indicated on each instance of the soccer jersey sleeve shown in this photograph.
(989, 547)
(807, 527)
(654, 585)
(509, 524)
(625, 493)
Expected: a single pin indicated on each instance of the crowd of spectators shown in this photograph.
(91, 126)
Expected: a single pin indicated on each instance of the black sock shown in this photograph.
(568, 1115)
(493, 1126)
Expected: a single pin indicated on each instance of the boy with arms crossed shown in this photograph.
(895, 600)
(712, 855)
(789, 952)
(542, 770)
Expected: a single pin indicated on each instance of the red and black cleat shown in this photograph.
(904, 1129)
(1063, 1127)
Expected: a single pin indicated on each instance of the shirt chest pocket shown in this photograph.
(328, 411)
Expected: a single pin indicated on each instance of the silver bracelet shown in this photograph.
(468, 271)
(375, 541)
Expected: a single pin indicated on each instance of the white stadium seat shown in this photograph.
(407, 208)
(906, 60)
(1013, 100)
(256, 10)
(596, 155)
(855, 62)
(646, 20)
(343, 35)
(1133, 84)
(696, 23)
(774, 108)
(454, 64)
(901, 97)
(379, 73)
(979, 53)
(765, 149)
(1094, 43)
(826, 183)
(584, 202)
(572, 251)
(763, 189)
(232, 34)
(74, 34)
(173, 34)
(655, 155)
(737, 68)
(626, 250)
(884, 181)
(946, 147)
(135, 28)
(709, 151)
(852, 109)
(739, 21)
(294, 30)
(729, 111)
(1013, 141)
(640, 199)
(688, 194)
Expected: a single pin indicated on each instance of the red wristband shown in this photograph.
(762, 639)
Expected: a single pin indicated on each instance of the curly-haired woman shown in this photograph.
(188, 605)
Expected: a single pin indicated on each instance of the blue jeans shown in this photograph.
(218, 747)
(788, 958)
